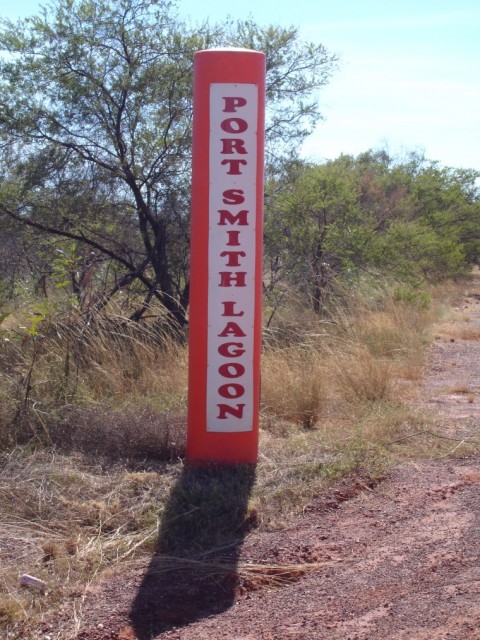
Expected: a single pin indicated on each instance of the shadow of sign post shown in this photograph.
(193, 572)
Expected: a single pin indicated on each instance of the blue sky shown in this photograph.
(409, 77)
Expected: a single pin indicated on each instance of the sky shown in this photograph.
(408, 78)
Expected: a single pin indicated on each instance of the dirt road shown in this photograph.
(397, 561)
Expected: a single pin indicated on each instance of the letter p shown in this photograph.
(232, 104)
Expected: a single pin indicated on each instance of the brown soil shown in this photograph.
(398, 560)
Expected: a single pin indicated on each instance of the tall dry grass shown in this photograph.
(293, 384)
(354, 355)
(73, 383)
(102, 383)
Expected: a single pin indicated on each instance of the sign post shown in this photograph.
(226, 256)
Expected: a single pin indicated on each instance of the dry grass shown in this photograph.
(452, 329)
(101, 383)
(63, 520)
(294, 384)
(132, 360)
(355, 356)
(111, 399)
(468, 333)
(463, 296)
(362, 376)
(460, 389)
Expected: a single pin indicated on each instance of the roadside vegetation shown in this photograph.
(362, 256)
(93, 438)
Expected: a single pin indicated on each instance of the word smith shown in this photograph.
(231, 256)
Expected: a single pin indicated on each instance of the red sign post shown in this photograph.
(226, 256)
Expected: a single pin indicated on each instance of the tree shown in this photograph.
(315, 228)
(95, 119)
(407, 221)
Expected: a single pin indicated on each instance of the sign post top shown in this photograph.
(229, 64)
(229, 50)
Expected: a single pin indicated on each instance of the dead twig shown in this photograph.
(435, 435)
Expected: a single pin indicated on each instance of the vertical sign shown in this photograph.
(226, 256)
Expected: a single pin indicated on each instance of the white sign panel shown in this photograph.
(231, 256)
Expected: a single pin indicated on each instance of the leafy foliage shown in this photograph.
(410, 221)
(95, 119)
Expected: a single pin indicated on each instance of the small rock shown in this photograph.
(33, 583)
